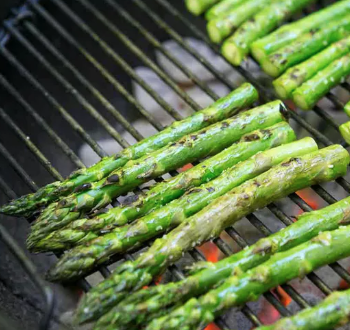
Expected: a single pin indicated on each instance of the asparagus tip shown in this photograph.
(270, 68)
(194, 7)
(345, 131)
(232, 53)
(257, 53)
(214, 32)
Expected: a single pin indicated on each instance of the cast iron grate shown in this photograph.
(58, 55)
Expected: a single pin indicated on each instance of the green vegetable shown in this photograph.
(347, 109)
(227, 106)
(332, 312)
(236, 47)
(222, 8)
(84, 230)
(144, 305)
(295, 174)
(197, 7)
(305, 46)
(83, 258)
(287, 34)
(221, 27)
(208, 141)
(299, 74)
(345, 131)
(326, 248)
(310, 92)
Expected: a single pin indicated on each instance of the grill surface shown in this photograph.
(65, 80)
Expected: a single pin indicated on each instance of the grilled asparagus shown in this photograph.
(236, 47)
(221, 27)
(191, 147)
(344, 130)
(305, 46)
(227, 106)
(83, 258)
(297, 173)
(197, 7)
(142, 306)
(347, 109)
(222, 8)
(310, 92)
(299, 74)
(84, 230)
(332, 312)
(325, 248)
(288, 33)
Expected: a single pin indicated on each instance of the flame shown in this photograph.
(306, 195)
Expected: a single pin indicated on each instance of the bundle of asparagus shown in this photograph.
(236, 47)
(332, 312)
(297, 173)
(305, 46)
(143, 306)
(208, 141)
(240, 98)
(83, 230)
(221, 27)
(326, 248)
(286, 34)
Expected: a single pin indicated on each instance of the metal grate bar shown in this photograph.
(67, 85)
(30, 145)
(130, 45)
(119, 87)
(41, 122)
(157, 45)
(34, 82)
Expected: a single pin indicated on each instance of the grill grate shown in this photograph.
(53, 59)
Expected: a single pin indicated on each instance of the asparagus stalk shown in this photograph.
(236, 47)
(84, 230)
(299, 74)
(197, 7)
(344, 130)
(288, 33)
(305, 46)
(208, 141)
(297, 173)
(332, 312)
(221, 27)
(145, 305)
(222, 8)
(310, 92)
(227, 106)
(326, 248)
(347, 109)
(86, 257)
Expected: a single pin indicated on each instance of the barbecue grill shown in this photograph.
(67, 73)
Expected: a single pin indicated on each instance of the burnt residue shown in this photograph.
(251, 137)
(284, 111)
(83, 187)
(211, 189)
(194, 191)
(224, 125)
(114, 178)
(99, 212)
(194, 137)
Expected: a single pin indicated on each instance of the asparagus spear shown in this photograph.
(84, 230)
(310, 92)
(191, 147)
(197, 7)
(299, 74)
(326, 248)
(222, 8)
(221, 27)
(227, 106)
(288, 33)
(297, 173)
(332, 312)
(144, 305)
(305, 46)
(344, 130)
(83, 258)
(347, 109)
(236, 47)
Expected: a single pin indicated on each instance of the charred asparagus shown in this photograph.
(227, 106)
(145, 305)
(206, 142)
(297, 173)
(84, 230)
